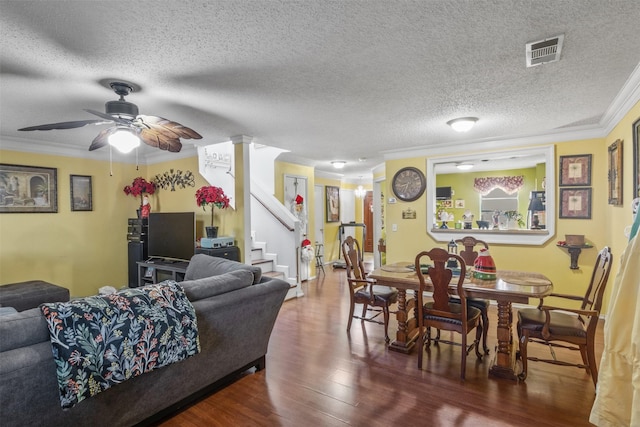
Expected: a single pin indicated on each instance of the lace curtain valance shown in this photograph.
(508, 184)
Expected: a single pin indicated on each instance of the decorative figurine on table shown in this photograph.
(444, 217)
(145, 209)
(496, 219)
(484, 267)
(467, 218)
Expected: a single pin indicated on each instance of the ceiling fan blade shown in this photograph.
(102, 139)
(118, 120)
(158, 140)
(67, 125)
(175, 127)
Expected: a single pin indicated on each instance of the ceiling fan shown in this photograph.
(152, 130)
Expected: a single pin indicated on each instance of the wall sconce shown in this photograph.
(462, 124)
(338, 164)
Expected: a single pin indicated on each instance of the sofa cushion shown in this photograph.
(215, 285)
(22, 329)
(202, 265)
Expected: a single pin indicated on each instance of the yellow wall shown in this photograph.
(80, 250)
(605, 228)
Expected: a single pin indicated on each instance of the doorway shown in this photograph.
(367, 215)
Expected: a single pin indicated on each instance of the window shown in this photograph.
(497, 200)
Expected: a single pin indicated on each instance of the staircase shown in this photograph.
(270, 268)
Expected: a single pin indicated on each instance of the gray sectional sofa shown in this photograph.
(235, 311)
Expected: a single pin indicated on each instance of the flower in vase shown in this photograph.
(212, 195)
(139, 187)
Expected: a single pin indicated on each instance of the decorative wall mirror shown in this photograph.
(489, 197)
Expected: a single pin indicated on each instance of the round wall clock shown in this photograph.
(408, 184)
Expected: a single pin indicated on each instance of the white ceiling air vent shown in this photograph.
(544, 51)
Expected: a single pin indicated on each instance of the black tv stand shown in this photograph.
(155, 270)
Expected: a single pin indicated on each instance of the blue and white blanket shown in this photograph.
(103, 340)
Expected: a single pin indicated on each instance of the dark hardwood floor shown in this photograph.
(318, 375)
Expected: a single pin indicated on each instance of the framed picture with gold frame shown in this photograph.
(615, 173)
(636, 159)
(333, 203)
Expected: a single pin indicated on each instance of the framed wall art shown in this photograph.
(333, 203)
(81, 196)
(636, 159)
(575, 170)
(575, 203)
(28, 189)
(615, 173)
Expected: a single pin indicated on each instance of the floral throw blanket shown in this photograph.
(103, 340)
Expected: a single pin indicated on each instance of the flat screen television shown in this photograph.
(443, 193)
(172, 235)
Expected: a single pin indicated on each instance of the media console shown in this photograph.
(157, 270)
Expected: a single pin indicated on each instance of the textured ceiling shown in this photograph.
(324, 79)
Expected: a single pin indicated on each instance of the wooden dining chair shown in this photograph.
(375, 299)
(442, 313)
(469, 255)
(569, 328)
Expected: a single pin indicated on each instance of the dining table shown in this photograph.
(509, 287)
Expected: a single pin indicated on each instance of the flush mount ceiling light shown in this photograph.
(462, 124)
(464, 166)
(338, 164)
(124, 140)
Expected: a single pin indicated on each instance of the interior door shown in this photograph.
(367, 215)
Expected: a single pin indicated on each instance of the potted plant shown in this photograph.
(214, 196)
(514, 216)
(138, 188)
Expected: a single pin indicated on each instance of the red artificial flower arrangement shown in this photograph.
(138, 187)
(212, 195)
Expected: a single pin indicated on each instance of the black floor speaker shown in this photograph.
(137, 252)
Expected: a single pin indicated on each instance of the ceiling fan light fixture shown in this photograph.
(462, 124)
(124, 140)
(338, 164)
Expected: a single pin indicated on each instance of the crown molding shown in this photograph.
(626, 99)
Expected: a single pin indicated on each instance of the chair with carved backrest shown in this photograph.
(442, 313)
(469, 255)
(569, 328)
(363, 290)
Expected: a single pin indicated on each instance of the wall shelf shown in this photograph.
(574, 251)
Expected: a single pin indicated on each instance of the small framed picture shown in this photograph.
(333, 203)
(615, 173)
(81, 196)
(575, 170)
(575, 203)
(459, 203)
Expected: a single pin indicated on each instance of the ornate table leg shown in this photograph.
(504, 362)
(405, 335)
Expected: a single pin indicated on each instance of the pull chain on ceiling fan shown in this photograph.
(152, 130)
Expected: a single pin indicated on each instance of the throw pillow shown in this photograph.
(215, 285)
